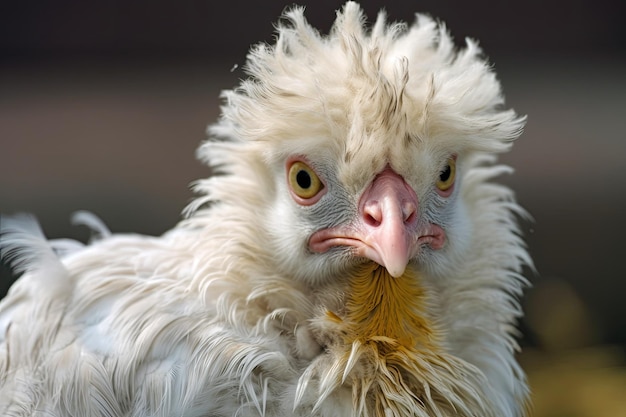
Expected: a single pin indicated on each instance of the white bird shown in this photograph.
(350, 257)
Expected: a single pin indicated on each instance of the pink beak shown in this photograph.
(386, 229)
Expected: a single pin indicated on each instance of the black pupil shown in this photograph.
(303, 179)
(445, 174)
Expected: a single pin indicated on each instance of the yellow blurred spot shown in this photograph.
(587, 382)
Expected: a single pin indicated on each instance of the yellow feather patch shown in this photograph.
(387, 352)
(381, 306)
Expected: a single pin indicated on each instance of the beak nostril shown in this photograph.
(372, 214)
(371, 221)
(409, 212)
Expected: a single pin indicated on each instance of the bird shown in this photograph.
(351, 253)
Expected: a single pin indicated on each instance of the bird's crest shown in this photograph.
(357, 89)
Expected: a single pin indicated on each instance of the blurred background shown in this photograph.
(103, 102)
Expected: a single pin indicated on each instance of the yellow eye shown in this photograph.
(304, 181)
(446, 176)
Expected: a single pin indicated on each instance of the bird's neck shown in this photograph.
(381, 308)
(387, 350)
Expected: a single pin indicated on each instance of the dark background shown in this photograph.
(102, 104)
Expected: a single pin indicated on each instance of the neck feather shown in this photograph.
(386, 351)
(380, 307)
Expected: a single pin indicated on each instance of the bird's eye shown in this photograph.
(447, 175)
(303, 181)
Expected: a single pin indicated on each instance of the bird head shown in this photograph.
(355, 165)
(362, 138)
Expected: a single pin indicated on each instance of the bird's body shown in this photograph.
(350, 257)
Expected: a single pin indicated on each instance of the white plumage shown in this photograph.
(351, 256)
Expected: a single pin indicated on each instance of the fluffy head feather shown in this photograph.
(267, 301)
(355, 100)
